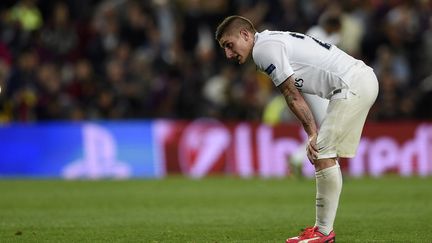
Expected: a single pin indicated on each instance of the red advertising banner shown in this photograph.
(206, 146)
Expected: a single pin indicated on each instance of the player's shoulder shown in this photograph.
(269, 36)
(267, 41)
(269, 47)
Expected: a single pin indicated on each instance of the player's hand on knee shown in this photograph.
(311, 148)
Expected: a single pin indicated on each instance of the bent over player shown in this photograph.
(297, 64)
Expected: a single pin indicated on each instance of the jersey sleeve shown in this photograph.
(272, 58)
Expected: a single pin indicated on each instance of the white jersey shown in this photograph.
(318, 68)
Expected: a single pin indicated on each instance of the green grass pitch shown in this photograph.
(389, 209)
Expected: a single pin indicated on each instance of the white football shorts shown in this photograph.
(340, 132)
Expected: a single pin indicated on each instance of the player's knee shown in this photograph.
(321, 164)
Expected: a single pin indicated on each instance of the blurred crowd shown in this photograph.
(126, 59)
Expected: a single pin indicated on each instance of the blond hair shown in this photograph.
(234, 22)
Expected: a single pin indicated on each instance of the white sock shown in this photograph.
(328, 189)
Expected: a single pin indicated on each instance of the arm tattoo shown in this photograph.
(298, 106)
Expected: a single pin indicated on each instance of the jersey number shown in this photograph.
(321, 43)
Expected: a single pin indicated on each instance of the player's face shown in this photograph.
(238, 46)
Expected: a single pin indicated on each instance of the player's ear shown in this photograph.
(244, 34)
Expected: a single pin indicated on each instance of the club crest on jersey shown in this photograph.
(270, 69)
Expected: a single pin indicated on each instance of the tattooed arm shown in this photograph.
(301, 110)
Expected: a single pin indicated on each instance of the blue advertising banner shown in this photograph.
(198, 148)
(78, 150)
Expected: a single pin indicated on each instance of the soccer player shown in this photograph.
(297, 64)
(328, 30)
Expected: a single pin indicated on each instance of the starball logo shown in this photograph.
(204, 147)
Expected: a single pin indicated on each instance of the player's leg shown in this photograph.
(328, 179)
(328, 184)
(318, 107)
(339, 136)
(328, 175)
(272, 115)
